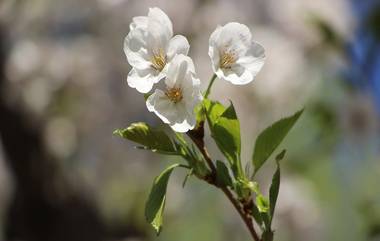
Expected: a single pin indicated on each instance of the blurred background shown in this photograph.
(64, 177)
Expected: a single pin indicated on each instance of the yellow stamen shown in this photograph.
(174, 94)
(159, 59)
(227, 60)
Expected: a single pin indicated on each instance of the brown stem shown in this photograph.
(196, 136)
(247, 220)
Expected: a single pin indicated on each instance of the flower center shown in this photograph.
(227, 59)
(174, 94)
(158, 60)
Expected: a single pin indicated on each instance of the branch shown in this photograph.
(196, 136)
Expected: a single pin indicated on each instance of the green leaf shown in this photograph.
(200, 114)
(191, 172)
(262, 203)
(213, 110)
(280, 156)
(266, 221)
(151, 138)
(257, 215)
(267, 235)
(226, 133)
(155, 205)
(270, 139)
(225, 130)
(273, 191)
(192, 156)
(222, 175)
(244, 188)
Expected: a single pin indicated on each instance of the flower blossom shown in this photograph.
(175, 106)
(234, 55)
(149, 47)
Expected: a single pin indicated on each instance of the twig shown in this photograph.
(196, 136)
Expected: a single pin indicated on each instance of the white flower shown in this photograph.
(234, 55)
(149, 46)
(175, 105)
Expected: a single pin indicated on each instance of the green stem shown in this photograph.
(209, 86)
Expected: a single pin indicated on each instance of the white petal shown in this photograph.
(158, 15)
(213, 50)
(237, 39)
(157, 37)
(139, 22)
(192, 103)
(162, 107)
(177, 115)
(191, 90)
(234, 37)
(177, 45)
(141, 80)
(215, 35)
(237, 77)
(185, 126)
(254, 59)
(160, 29)
(180, 116)
(185, 118)
(135, 49)
(178, 68)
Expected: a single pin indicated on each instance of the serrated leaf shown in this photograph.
(155, 204)
(151, 138)
(222, 175)
(270, 139)
(226, 133)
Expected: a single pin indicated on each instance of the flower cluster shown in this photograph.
(155, 54)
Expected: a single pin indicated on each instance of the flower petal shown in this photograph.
(234, 37)
(162, 106)
(160, 29)
(157, 37)
(158, 15)
(245, 57)
(135, 49)
(185, 120)
(180, 114)
(237, 76)
(254, 59)
(185, 126)
(213, 50)
(139, 22)
(141, 80)
(178, 68)
(177, 45)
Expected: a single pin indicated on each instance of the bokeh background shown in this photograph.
(64, 177)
